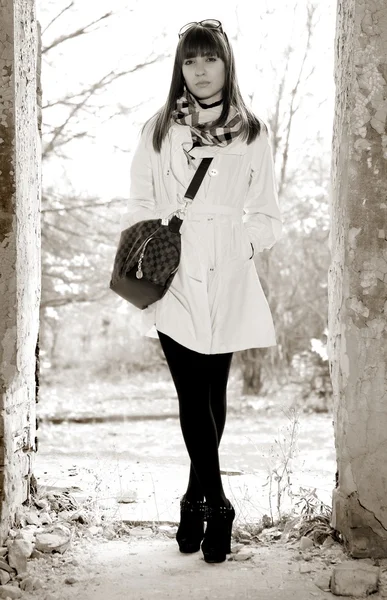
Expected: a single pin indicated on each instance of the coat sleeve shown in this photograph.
(141, 204)
(262, 216)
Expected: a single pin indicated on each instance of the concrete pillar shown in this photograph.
(357, 342)
(20, 152)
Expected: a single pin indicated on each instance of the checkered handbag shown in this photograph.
(148, 253)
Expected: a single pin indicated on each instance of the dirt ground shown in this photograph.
(144, 442)
(117, 449)
(137, 568)
(122, 438)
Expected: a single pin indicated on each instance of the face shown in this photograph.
(204, 77)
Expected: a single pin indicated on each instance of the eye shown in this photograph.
(212, 58)
(188, 61)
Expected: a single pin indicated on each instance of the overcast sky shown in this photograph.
(140, 28)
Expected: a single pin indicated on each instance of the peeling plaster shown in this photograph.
(8, 365)
(358, 307)
(348, 477)
(352, 233)
(376, 327)
(374, 268)
(357, 282)
(370, 103)
(344, 360)
(368, 279)
(19, 251)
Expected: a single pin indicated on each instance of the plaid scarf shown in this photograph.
(188, 112)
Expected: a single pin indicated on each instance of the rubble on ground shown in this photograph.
(49, 527)
(43, 529)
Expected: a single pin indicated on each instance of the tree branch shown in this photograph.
(87, 204)
(292, 108)
(78, 32)
(87, 94)
(58, 16)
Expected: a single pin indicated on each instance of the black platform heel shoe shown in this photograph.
(217, 537)
(191, 529)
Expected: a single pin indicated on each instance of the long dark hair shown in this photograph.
(203, 41)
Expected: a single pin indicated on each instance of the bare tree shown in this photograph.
(78, 235)
(293, 273)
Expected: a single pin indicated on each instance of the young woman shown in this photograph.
(215, 305)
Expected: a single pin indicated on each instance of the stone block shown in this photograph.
(10, 591)
(306, 543)
(354, 579)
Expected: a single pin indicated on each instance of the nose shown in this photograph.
(200, 70)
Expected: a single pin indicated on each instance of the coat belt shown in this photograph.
(195, 210)
(220, 209)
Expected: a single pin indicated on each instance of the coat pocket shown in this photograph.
(247, 250)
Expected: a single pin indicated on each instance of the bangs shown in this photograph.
(201, 41)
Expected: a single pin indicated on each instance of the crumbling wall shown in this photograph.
(19, 250)
(358, 276)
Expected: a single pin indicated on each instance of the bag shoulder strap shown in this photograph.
(198, 178)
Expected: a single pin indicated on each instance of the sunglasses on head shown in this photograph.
(209, 23)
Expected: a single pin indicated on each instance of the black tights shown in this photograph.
(200, 381)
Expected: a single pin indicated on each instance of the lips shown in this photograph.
(203, 83)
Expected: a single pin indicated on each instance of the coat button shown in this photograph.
(213, 172)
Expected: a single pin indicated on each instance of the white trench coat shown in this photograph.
(215, 303)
